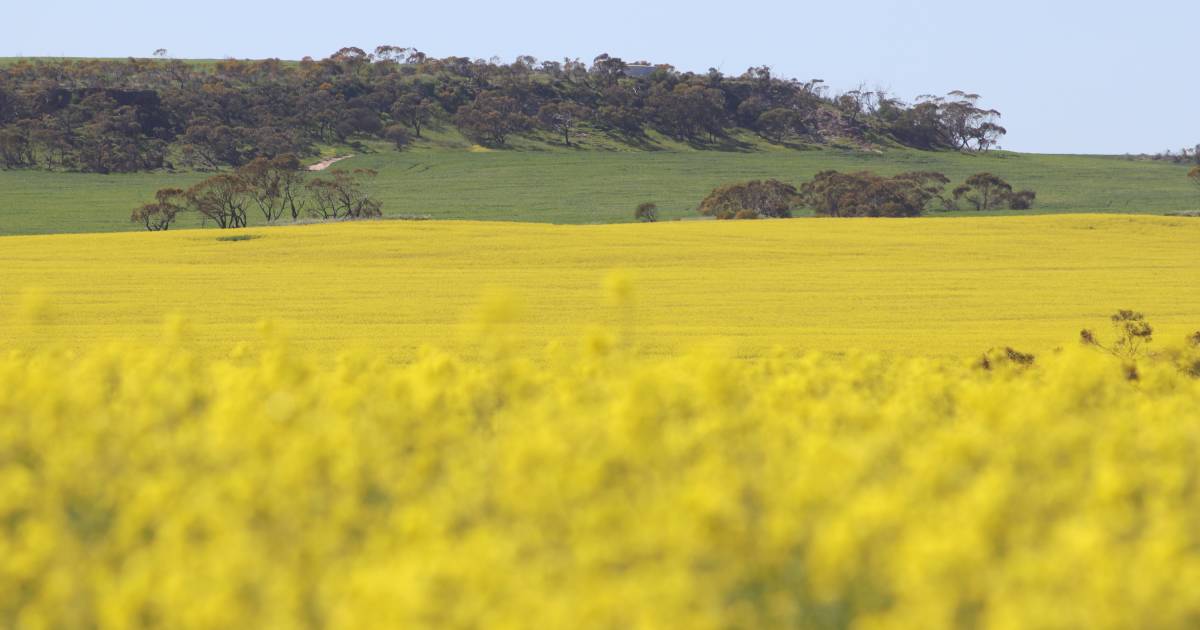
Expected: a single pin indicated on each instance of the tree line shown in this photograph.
(862, 194)
(276, 188)
(142, 114)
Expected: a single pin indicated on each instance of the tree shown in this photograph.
(646, 213)
(492, 118)
(415, 111)
(273, 185)
(342, 196)
(618, 111)
(967, 125)
(764, 198)
(865, 194)
(779, 124)
(919, 126)
(209, 145)
(16, 150)
(220, 198)
(984, 191)
(398, 135)
(562, 117)
(687, 111)
(607, 70)
(158, 216)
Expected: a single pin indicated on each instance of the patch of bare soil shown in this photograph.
(324, 164)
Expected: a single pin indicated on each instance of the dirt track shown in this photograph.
(324, 164)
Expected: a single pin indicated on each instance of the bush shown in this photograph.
(746, 214)
(866, 194)
(766, 198)
(646, 212)
(1022, 200)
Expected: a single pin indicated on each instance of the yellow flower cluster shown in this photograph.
(156, 487)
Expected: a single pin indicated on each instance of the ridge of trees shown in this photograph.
(143, 114)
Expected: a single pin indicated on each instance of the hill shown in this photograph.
(107, 115)
(954, 286)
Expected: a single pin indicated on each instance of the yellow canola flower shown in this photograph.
(157, 486)
(927, 286)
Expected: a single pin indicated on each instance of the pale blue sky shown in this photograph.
(1069, 76)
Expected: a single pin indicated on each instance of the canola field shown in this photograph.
(150, 487)
(945, 287)
(680, 425)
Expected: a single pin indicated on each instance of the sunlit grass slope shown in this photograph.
(952, 286)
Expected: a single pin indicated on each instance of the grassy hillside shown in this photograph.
(446, 178)
(954, 286)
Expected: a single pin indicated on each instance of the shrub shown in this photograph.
(865, 194)
(767, 198)
(646, 212)
(1022, 200)
(746, 214)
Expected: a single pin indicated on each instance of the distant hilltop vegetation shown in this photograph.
(145, 114)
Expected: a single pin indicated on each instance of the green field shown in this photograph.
(445, 178)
